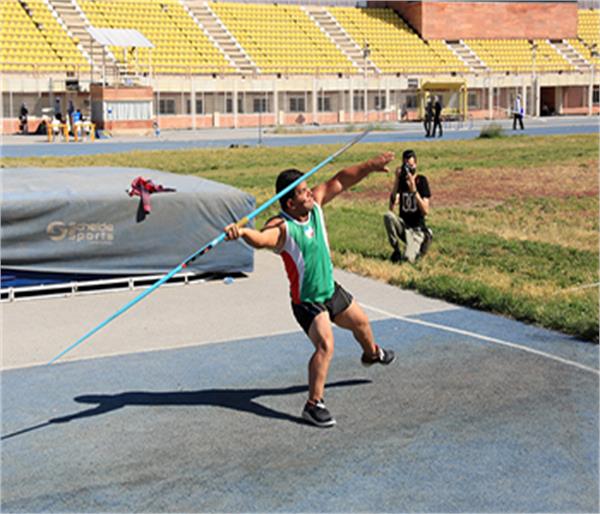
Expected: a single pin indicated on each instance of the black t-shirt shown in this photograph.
(429, 110)
(409, 209)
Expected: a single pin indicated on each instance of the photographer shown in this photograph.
(412, 192)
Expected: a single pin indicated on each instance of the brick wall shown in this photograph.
(178, 121)
(120, 93)
(10, 126)
(575, 97)
(484, 20)
(104, 94)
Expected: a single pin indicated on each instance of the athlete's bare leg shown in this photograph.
(321, 335)
(355, 319)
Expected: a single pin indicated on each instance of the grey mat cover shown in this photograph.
(67, 220)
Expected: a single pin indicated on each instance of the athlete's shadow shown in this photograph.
(236, 399)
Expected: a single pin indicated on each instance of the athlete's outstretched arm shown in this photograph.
(348, 177)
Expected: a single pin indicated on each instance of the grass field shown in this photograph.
(515, 219)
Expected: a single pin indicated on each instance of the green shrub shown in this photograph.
(491, 131)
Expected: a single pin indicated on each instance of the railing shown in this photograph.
(325, 70)
(143, 72)
(588, 4)
(73, 70)
(11, 294)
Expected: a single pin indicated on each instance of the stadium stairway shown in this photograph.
(395, 46)
(77, 23)
(214, 28)
(329, 25)
(571, 55)
(466, 55)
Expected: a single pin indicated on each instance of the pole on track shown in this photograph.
(209, 246)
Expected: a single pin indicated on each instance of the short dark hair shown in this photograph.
(408, 154)
(284, 179)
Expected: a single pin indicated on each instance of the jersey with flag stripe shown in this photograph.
(307, 258)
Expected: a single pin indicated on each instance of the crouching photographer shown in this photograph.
(411, 191)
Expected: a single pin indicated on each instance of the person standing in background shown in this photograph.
(437, 116)
(70, 111)
(58, 110)
(428, 117)
(23, 113)
(518, 113)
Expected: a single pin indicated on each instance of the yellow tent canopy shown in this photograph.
(443, 89)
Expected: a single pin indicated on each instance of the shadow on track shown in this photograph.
(236, 399)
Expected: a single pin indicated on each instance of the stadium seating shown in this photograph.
(36, 41)
(395, 47)
(180, 45)
(588, 33)
(279, 38)
(282, 39)
(589, 25)
(517, 55)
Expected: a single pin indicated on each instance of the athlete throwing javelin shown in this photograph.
(299, 235)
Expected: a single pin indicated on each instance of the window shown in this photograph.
(596, 96)
(166, 106)
(324, 104)
(473, 100)
(199, 106)
(380, 102)
(297, 104)
(229, 105)
(359, 103)
(128, 110)
(411, 101)
(260, 105)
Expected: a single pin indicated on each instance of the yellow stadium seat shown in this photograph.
(260, 28)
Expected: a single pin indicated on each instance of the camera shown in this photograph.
(405, 169)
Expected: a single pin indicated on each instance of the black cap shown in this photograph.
(407, 154)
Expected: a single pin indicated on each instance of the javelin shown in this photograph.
(209, 246)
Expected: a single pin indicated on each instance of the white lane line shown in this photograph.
(586, 286)
(484, 338)
(119, 353)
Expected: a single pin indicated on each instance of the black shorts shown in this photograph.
(306, 312)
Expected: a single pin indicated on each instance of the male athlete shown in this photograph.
(299, 235)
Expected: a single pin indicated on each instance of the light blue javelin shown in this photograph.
(209, 246)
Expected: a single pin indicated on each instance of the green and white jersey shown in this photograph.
(307, 258)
